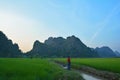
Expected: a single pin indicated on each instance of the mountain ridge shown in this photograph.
(105, 51)
(73, 46)
(8, 48)
(55, 47)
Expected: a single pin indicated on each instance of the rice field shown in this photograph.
(107, 64)
(33, 69)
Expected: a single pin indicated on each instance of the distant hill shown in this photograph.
(55, 47)
(60, 47)
(106, 52)
(117, 53)
(7, 48)
(40, 49)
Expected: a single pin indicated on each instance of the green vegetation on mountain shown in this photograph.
(54, 47)
(60, 47)
(7, 48)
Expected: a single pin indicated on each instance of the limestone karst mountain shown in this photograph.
(7, 48)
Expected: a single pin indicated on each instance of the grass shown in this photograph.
(33, 69)
(108, 64)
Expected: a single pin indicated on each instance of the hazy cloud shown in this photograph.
(103, 24)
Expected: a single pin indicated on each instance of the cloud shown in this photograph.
(103, 24)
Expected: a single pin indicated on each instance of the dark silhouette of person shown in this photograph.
(69, 63)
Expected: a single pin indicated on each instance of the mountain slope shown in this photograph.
(7, 48)
(55, 47)
(105, 52)
(60, 47)
(117, 53)
(40, 49)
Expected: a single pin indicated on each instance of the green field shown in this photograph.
(108, 64)
(33, 69)
(44, 69)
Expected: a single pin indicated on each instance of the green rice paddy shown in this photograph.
(34, 69)
(108, 64)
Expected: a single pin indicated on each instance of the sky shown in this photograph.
(94, 22)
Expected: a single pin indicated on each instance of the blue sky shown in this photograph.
(95, 22)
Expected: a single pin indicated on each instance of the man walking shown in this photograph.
(69, 63)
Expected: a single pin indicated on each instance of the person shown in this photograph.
(69, 63)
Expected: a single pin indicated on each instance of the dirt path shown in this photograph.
(84, 75)
(89, 73)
